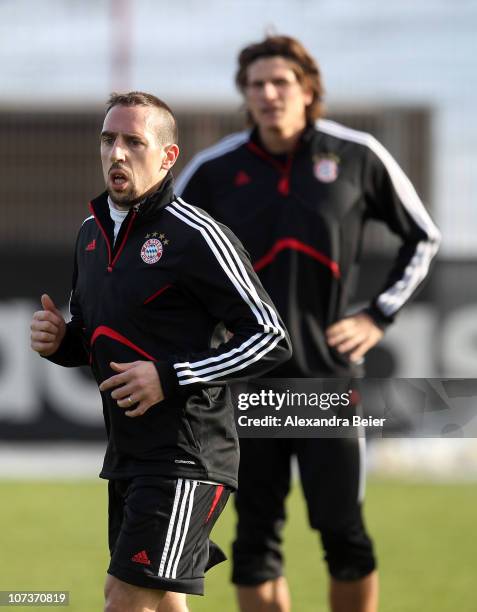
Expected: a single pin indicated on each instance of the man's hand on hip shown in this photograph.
(48, 328)
(354, 335)
(137, 384)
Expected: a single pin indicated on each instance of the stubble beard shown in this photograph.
(124, 200)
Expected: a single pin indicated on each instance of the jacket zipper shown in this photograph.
(283, 185)
(121, 246)
(112, 261)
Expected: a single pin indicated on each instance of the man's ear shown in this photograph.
(171, 154)
(308, 95)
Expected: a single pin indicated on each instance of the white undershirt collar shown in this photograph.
(117, 216)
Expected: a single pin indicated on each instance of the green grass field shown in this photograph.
(53, 537)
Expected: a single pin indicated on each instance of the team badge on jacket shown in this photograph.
(326, 168)
(151, 250)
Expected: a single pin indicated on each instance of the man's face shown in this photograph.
(134, 161)
(274, 97)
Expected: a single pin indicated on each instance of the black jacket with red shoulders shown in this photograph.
(301, 218)
(167, 291)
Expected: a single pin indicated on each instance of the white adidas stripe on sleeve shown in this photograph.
(87, 219)
(253, 348)
(237, 368)
(234, 260)
(227, 144)
(393, 298)
(227, 270)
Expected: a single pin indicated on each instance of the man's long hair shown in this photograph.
(302, 63)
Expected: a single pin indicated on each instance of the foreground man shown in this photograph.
(297, 193)
(154, 280)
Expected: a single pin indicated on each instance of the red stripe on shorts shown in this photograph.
(218, 493)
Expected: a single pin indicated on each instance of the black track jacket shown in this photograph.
(166, 292)
(301, 218)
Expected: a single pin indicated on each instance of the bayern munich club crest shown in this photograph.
(326, 169)
(151, 251)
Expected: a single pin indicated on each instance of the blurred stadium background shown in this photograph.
(404, 71)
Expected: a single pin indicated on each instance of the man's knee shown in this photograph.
(122, 597)
(270, 595)
(349, 553)
(257, 555)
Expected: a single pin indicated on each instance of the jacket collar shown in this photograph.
(145, 209)
(305, 139)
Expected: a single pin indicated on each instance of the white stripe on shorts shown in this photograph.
(177, 529)
(171, 527)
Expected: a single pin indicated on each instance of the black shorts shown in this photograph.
(159, 532)
(332, 478)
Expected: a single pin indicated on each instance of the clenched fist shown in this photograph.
(48, 328)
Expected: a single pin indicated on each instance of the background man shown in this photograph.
(154, 278)
(297, 192)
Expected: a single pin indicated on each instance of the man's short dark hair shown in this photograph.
(169, 132)
(303, 65)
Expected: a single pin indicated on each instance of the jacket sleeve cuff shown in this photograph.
(69, 353)
(168, 378)
(378, 317)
